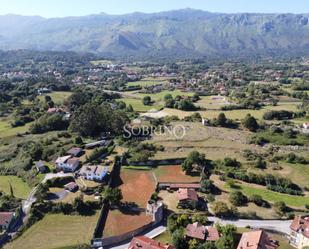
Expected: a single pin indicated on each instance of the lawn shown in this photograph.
(173, 173)
(233, 114)
(215, 142)
(165, 238)
(57, 230)
(7, 130)
(160, 96)
(138, 105)
(271, 196)
(213, 102)
(20, 188)
(57, 97)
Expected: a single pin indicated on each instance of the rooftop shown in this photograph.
(256, 240)
(5, 218)
(187, 194)
(143, 242)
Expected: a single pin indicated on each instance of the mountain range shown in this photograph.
(181, 33)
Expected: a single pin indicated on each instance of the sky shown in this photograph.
(61, 8)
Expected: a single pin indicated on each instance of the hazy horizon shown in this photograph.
(57, 8)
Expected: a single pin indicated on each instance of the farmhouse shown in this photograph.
(200, 232)
(71, 186)
(143, 242)
(67, 163)
(75, 151)
(6, 220)
(299, 235)
(41, 167)
(185, 194)
(306, 125)
(98, 144)
(256, 240)
(93, 172)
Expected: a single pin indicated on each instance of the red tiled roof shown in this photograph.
(185, 185)
(196, 230)
(187, 194)
(212, 234)
(5, 218)
(256, 240)
(143, 242)
(301, 225)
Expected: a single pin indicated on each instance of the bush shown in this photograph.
(238, 199)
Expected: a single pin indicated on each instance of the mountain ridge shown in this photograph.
(178, 33)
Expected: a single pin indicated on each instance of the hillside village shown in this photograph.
(104, 154)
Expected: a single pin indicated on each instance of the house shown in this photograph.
(55, 110)
(98, 144)
(143, 242)
(186, 194)
(93, 172)
(41, 167)
(299, 234)
(6, 220)
(201, 232)
(71, 186)
(75, 152)
(256, 240)
(67, 163)
(306, 125)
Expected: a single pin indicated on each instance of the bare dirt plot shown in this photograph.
(173, 173)
(119, 223)
(137, 186)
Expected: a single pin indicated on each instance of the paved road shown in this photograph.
(275, 225)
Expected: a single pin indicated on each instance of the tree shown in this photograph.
(168, 97)
(178, 239)
(206, 185)
(221, 121)
(220, 209)
(11, 190)
(257, 200)
(113, 195)
(194, 158)
(147, 100)
(280, 208)
(130, 108)
(237, 198)
(227, 240)
(250, 123)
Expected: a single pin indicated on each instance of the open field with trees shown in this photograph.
(58, 97)
(57, 230)
(20, 188)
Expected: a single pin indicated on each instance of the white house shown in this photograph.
(67, 163)
(299, 233)
(306, 125)
(93, 172)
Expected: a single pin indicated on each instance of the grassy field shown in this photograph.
(290, 200)
(213, 141)
(57, 97)
(20, 188)
(160, 96)
(233, 114)
(212, 102)
(57, 230)
(6, 129)
(139, 106)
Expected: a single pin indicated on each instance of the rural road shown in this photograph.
(282, 226)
